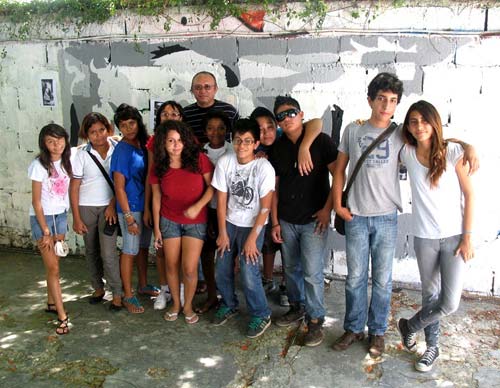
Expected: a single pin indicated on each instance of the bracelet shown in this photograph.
(467, 232)
(131, 224)
(274, 226)
(127, 214)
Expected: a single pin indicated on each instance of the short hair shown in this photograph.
(203, 73)
(383, 82)
(285, 100)
(260, 111)
(89, 120)
(126, 112)
(217, 114)
(173, 104)
(243, 126)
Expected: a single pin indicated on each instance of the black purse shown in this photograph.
(339, 222)
(109, 229)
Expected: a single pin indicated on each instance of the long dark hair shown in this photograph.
(89, 120)
(58, 132)
(126, 112)
(190, 152)
(437, 157)
(173, 104)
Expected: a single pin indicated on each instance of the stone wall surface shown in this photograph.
(443, 55)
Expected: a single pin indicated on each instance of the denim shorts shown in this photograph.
(171, 229)
(61, 225)
(132, 243)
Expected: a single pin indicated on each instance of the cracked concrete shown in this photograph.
(122, 350)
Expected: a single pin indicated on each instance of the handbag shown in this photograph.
(108, 228)
(61, 247)
(339, 222)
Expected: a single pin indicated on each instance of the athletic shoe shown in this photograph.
(295, 314)
(284, 297)
(408, 339)
(222, 315)
(258, 326)
(314, 335)
(425, 363)
(162, 300)
(269, 286)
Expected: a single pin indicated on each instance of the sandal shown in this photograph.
(207, 306)
(51, 308)
(170, 316)
(132, 305)
(148, 289)
(63, 326)
(192, 319)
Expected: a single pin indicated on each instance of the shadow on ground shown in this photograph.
(123, 350)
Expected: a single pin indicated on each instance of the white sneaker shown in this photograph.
(161, 300)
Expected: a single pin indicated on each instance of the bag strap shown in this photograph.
(103, 171)
(365, 154)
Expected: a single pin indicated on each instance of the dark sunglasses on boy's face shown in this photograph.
(287, 113)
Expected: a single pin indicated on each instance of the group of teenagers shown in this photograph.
(234, 204)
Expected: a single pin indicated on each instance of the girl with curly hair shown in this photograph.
(180, 180)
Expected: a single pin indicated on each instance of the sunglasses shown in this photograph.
(287, 113)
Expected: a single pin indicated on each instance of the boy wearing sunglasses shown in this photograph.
(300, 218)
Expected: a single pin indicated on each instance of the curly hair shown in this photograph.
(437, 157)
(190, 151)
(89, 120)
(217, 114)
(383, 82)
(173, 104)
(44, 157)
(126, 112)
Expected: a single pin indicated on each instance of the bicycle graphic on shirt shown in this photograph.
(240, 189)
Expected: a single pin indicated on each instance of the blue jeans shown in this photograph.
(250, 274)
(441, 275)
(304, 252)
(376, 237)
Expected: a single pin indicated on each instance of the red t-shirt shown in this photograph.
(180, 189)
(150, 143)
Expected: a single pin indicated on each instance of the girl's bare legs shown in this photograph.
(51, 262)
(142, 267)
(191, 249)
(268, 265)
(161, 267)
(126, 268)
(172, 251)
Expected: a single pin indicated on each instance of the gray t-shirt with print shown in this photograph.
(375, 190)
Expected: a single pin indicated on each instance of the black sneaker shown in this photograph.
(314, 335)
(408, 339)
(295, 314)
(269, 286)
(425, 363)
(258, 326)
(223, 314)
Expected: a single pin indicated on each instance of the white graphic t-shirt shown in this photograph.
(245, 184)
(55, 199)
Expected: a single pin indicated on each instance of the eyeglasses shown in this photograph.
(287, 113)
(205, 87)
(239, 141)
(173, 115)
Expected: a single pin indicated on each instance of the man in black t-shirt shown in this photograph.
(301, 216)
(204, 87)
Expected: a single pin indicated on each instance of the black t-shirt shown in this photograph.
(302, 196)
(194, 116)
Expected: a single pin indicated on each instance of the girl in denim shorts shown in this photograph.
(50, 174)
(180, 180)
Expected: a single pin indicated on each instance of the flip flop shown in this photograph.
(170, 316)
(132, 305)
(192, 319)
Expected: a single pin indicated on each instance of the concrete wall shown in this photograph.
(458, 72)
